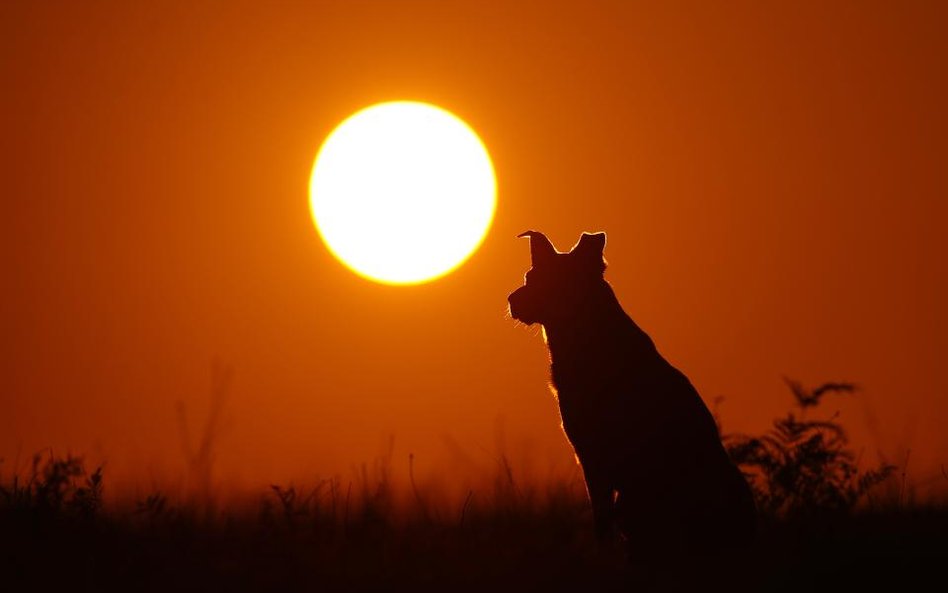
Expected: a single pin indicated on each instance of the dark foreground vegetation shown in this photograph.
(820, 530)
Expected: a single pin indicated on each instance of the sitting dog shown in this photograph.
(655, 469)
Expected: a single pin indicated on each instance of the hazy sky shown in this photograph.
(772, 178)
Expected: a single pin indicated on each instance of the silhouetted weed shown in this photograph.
(801, 465)
(58, 487)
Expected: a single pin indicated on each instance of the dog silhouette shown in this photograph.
(656, 471)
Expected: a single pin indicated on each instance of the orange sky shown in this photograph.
(773, 182)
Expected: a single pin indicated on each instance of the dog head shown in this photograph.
(558, 284)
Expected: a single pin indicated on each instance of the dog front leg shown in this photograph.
(602, 498)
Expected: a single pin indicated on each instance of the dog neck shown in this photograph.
(597, 318)
(598, 332)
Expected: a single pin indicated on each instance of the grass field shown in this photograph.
(820, 529)
(56, 535)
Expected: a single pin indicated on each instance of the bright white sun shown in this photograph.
(402, 192)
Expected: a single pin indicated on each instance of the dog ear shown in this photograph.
(541, 250)
(590, 245)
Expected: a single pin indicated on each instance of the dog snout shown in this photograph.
(515, 304)
(514, 297)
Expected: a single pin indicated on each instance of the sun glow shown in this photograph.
(402, 192)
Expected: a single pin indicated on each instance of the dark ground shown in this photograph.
(534, 546)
